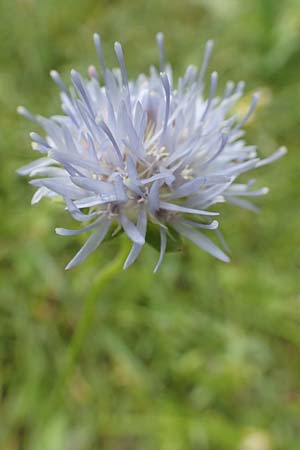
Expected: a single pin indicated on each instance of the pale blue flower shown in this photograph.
(129, 153)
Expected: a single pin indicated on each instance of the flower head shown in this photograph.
(144, 155)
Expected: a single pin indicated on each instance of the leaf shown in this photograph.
(174, 243)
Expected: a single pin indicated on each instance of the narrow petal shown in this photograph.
(92, 200)
(222, 240)
(39, 139)
(25, 113)
(39, 194)
(113, 141)
(161, 50)
(136, 248)
(159, 176)
(90, 245)
(207, 226)
(82, 91)
(208, 49)
(57, 79)
(153, 198)
(242, 203)
(134, 182)
(236, 169)
(106, 190)
(41, 162)
(252, 106)
(183, 209)
(67, 232)
(276, 155)
(190, 187)
(201, 241)
(245, 193)
(98, 45)
(77, 160)
(120, 56)
(166, 85)
(120, 190)
(61, 186)
(131, 230)
(212, 92)
(163, 245)
(79, 215)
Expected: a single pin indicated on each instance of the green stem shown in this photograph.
(102, 278)
(78, 339)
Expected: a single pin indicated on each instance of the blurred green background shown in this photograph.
(204, 355)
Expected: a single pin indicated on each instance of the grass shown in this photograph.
(204, 355)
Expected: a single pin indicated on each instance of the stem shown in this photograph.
(78, 339)
(102, 278)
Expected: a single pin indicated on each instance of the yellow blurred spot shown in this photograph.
(242, 107)
(256, 440)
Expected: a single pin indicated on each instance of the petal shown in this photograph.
(90, 245)
(183, 209)
(201, 241)
(39, 194)
(207, 226)
(236, 169)
(163, 245)
(39, 139)
(133, 182)
(81, 90)
(131, 230)
(222, 240)
(242, 203)
(77, 214)
(60, 185)
(276, 155)
(77, 160)
(153, 198)
(48, 171)
(159, 176)
(106, 190)
(120, 190)
(136, 248)
(88, 202)
(67, 232)
(38, 163)
(192, 186)
(245, 192)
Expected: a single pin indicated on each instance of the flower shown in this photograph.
(144, 155)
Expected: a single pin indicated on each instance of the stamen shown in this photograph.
(92, 72)
(160, 39)
(150, 128)
(187, 172)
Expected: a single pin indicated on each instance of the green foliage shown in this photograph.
(204, 355)
(174, 242)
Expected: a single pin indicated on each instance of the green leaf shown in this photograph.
(174, 243)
